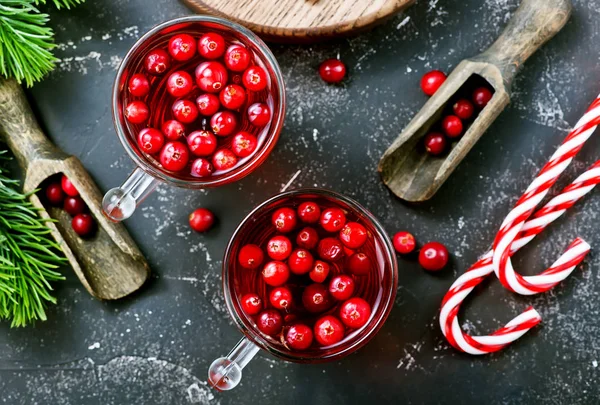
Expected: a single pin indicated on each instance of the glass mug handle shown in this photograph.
(225, 373)
(119, 203)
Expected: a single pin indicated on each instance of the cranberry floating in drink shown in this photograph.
(309, 276)
(198, 102)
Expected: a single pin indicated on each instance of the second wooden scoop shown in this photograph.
(109, 264)
(406, 168)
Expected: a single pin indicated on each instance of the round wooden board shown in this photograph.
(302, 20)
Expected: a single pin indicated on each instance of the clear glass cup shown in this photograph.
(379, 287)
(119, 203)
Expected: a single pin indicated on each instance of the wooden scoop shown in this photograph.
(109, 264)
(406, 168)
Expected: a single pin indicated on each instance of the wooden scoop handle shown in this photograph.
(531, 26)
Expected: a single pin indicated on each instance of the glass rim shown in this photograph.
(274, 131)
(389, 295)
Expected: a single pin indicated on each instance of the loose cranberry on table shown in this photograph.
(279, 248)
(307, 238)
(432, 81)
(341, 287)
(309, 212)
(139, 85)
(223, 123)
(208, 104)
(179, 84)
(224, 159)
(281, 298)
(185, 111)
(435, 143)
(201, 220)
(137, 112)
(269, 322)
(284, 219)
(173, 130)
(404, 242)
(300, 261)
(319, 272)
(68, 187)
(150, 140)
(157, 62)
(433, 256)
(355, 312)
(83, 224)
(202, 143)
(353, 235)
(328, 330)
(243, 144)
(332, 71)
(481, 97)
(174, 156)
(251, 256)
(211, 76)
(463, 109)
(359, 264)
(316, 298)
(255, 78)
(211, 45)
(74, 206)
(251, 304)
(299, 337)
(55, 194)
(233, 96)
(201, 168)
(259, 114)
(330, 249)
(452, 126)
(182, 47)
(333, 219)
(275, 273)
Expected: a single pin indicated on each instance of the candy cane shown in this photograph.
(463, 286)
(514, 223)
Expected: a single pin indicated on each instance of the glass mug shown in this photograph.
(119, 203)
(378, 287)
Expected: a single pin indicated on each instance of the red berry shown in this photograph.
(319, 272)
(150, 140)
(481, 97)
(307, 238)
(174, 156)
(211, 45)
(208, 104)
(359, 264)
(281, 298)
(55, 194)
(202, 143)
(244, 144)
(232, 96)
(201, 220)
(284, 220)
(255, 78)
(259, 114)
(463, 109)
(224, 159)
(82, 224)
(355, 312)
(300, 261)
(251, 256)
(211, 76)
(452, 126)
(275, 273)
(223, 123)
(74, 206)
(173, 130)
(179, 84)
(237, 58)
(299, 337)
(330, 249)
(251, 304)
(328, 330)
(309, 212)
(201, 168)
(68, 187)
(332, 71)
(433, 256)
(137, 112)
(182, 47)
(269, 322)
(353, 235)
(316, 298)
(279, 248)
(404, 242)
(139, 85)
(333, 219)
(431, 81)
(435, 143)
(185, 111)
(341, 287)
(157, 62)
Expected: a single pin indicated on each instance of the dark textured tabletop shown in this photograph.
(155, 347)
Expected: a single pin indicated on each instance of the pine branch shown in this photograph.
(62, 3)
(29, 257)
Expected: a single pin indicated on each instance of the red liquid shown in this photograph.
(159, 101)
(371, 287)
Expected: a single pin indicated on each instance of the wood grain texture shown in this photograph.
(108, 264)
(409, 171)
(302, 20)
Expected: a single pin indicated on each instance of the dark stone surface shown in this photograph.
(155, 347)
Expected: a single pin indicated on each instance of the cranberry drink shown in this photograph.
(197, 103)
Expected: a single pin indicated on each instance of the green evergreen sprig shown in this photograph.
(29, 257)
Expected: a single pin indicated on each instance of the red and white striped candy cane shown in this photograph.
(463, 286)
(514, 222)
